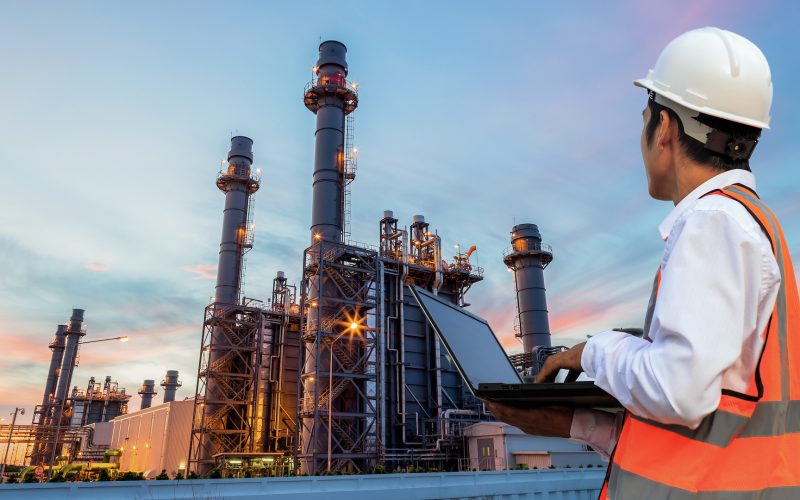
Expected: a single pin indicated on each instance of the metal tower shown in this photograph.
(147, 391)
(528, 257)
(338, 411)
(170, 384)
(43, 413)
(227, 378)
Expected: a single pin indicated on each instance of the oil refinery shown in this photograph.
(339, 373)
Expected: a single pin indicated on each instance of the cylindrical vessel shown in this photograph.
(527, 259)
(237, 185)
(147, 391)
(73, 334)
(332, 100)
(170, 385)
(56, 358)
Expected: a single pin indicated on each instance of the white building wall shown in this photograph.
(155, 438)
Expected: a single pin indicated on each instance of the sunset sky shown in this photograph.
(114, 118)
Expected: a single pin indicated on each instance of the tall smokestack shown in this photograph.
(238, 183)
(331, 99)
(73, 334)
(527, 258)
(147, 391)
(170, 385)
(56, 358)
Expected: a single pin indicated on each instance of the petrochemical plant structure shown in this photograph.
(339, 374)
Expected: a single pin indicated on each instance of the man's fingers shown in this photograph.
(549, 370)
(572, 376)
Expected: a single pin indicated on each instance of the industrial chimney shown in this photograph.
(528, 257)
(73, 334)
(147, 391)
(331, 98)
(230, 328)
(56, 358)
(238, 183)
(170, 385)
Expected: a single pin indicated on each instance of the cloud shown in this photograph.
(206, 271)
(97, 266)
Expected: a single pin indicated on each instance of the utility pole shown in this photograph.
(21, 411)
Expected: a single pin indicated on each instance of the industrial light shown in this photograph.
(310, 379)
(317, 236)
(124, 338)
(353, 325)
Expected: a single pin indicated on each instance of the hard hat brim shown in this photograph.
(649, 84)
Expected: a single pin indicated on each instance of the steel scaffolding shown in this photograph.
(341, 387)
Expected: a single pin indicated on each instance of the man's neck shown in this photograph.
(689, 175)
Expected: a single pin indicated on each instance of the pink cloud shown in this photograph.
(97, 266)
(207, 271)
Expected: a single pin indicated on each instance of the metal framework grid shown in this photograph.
(228, 424)
(341, 389)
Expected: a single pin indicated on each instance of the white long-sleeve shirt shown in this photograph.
(719, 282)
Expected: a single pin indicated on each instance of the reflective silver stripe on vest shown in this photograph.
(651, 307)
(780, 302)
(637, 487)
(770, 418)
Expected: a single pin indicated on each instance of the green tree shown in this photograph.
(163, 476)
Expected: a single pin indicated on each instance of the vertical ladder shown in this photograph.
(350, 158)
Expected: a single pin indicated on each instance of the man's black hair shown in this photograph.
(695, 149)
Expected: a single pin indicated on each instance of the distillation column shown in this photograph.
(224, 378)
(528, 257)
(147, 391)
(170, 384)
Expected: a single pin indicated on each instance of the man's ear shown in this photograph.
(667, 130)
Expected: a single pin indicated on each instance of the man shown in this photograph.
(712, 391)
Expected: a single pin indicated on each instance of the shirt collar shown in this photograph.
(725, 179)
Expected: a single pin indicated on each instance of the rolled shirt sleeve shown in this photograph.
(707, 303)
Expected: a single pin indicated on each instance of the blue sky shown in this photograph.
(114, 117)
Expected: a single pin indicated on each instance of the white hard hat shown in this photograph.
(715, 72)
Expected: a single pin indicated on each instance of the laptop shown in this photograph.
(485, 367)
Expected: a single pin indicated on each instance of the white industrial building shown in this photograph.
(155, 438)
(499, 446)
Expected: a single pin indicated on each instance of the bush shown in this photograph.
(104, 475)
(131, 476)
(552, 466)
(379, 469)
(193, 475)
(163, 476)
(12, 478)
(29, 478)
(177, 475)
(214, 474)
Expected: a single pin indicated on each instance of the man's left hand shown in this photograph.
(570, 360)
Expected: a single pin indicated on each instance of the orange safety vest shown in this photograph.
(749, 447)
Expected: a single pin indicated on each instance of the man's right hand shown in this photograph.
(552, 421)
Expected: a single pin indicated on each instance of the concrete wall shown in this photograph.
(564, 484)
(154, 438)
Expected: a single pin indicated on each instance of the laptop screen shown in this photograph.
(469, 340)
